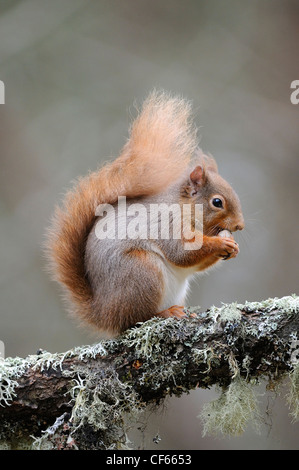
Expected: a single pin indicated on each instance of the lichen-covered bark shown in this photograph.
(79, 399)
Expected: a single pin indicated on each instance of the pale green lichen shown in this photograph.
(226, 313)
(93, 351)
(232, 411)
(100, 406)
(203, 356)
(103, 405)
(10, 370)
(233, 312)
(13, 368)
(288, 304)
(293, 395)
(91, 407)
(146, 338)
(51, 437)
(236, 406)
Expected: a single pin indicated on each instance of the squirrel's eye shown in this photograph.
(217, 202)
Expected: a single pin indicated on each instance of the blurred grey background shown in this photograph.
(72, 71)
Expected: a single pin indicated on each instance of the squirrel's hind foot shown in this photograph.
(176, 311)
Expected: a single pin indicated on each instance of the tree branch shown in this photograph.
(80, 398)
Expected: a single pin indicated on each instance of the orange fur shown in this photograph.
(161, 143)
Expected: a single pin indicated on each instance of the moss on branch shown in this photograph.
(80, 399)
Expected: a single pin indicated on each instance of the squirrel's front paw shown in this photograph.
(228, 248)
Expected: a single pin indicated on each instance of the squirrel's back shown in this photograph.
(161, 143)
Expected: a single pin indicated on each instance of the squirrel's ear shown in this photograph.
(197, 176)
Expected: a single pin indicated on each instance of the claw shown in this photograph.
(227, 256)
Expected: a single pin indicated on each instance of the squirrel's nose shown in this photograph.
(240, 226)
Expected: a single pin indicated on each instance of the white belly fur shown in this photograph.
(176, 285)
(176, 281)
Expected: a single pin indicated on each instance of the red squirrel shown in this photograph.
(115, 282)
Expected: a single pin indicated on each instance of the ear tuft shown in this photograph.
(197, 175)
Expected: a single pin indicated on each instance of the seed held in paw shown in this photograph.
(225, 234)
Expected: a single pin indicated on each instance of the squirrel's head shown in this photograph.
(221, 205)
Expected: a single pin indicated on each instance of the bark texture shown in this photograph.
(82, 398)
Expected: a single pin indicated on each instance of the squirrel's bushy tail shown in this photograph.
(161, 143)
